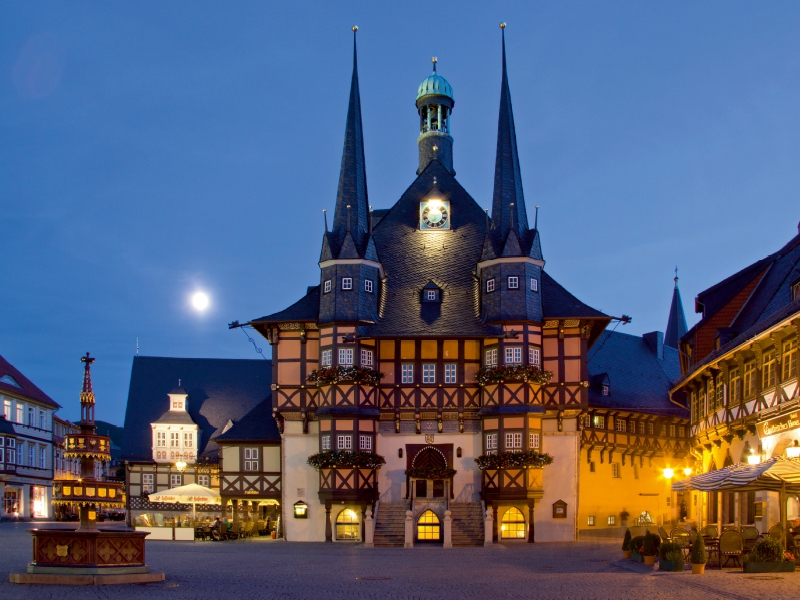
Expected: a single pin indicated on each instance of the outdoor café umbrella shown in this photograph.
(188, 494)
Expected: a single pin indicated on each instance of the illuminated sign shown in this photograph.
(779, 424)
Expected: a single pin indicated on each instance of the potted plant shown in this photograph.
(626, 544)
(768, 556)
(650, 548)
(698, 556)
(670, 557)
(637, 546)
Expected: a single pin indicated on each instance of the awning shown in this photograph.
(770, 475)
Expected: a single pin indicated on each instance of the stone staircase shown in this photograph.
(390, 525)
(468, 524)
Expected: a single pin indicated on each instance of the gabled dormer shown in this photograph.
(431, 294)
(175, 435)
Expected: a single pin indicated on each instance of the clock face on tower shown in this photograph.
(434, 214)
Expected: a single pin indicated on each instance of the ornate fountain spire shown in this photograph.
(87, 396)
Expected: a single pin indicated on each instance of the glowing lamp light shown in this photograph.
(300, 510)
(181, 466)
(669, 473)
(687, 471)
(793, 451)
(200, 301)
(753, 459)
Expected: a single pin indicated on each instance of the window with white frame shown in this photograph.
(672, 430)
(535, 356)
(513, 283)
(175, 480)
(429, 373)
(491, 443)
(367, 358)
(612, 520)
(513, 355)
(161, 439)
(188, 439)
(7, 409)
(31, 455)
(251, 462)
(533, 441)
(31, 417)
(615, 470)
(174, 440)
(326, 442)
(490, 285)
(650, 429)
(20, 413)
(345, 356)
(204, 480)
(344, 442)
(42, 422)
(606, 390)
(368, 286)
(513, 442)
(148, 487)
(347, 283)
(365, 442)
(327, 286)
(621, 424)
(641, 427)
(534, 284)
(491, 357)
(590, 521)
(42, 457)
(327, 358)
(599, 422)
(450, 373)
(407, 373)
(430, 295)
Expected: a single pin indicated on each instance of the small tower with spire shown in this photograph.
(435, 106)
(87, 396)
(676, 323)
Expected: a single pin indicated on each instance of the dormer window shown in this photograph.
(9, 380)
(431, 293)
(347, 283)
(177, 404)
(606, 390)
(513, 283)
(796, 290)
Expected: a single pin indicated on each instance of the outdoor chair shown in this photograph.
(730, 528)
(709, 531)
(200, 533)
(750, 537)
(665, 537)
(681, 538)
(262, 527)
(731, 546)
(775, 532)
(248, 529)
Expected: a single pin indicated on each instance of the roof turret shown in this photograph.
(676, 323)
(435, 85)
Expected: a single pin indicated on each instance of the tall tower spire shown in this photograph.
(676, 323)
(508, 197)
(352, 193)
(87, 396)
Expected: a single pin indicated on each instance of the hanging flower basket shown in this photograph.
(525, 373)
(361, 460)
(510, 460)
(331, 375)
(430, 473)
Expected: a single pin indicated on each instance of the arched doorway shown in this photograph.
(429, 528)
(429, 458)
(512, 525)
(347, 525)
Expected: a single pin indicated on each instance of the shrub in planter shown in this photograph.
(626, 544)
(768, 556)
(670, 557)
(637, 547)
(698, 557)
(650, 548)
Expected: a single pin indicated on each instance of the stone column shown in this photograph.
(488, 528)
(409, 538)
(328, 530)
(448, 529)
(369, 530)
(495, 521)
(531, 537)
(235, 505)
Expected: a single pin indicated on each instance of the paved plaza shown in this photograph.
(276, 569)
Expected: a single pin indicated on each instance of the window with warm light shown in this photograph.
(612, 520)
(148, 486)
(621, 425)
(672, 431)
(512, 525)
(590, 521)
(533, 441)
(768, 367)
(615, 470)
(641, 427)
(174, 440)
(188, 440)
(789, 362)
(650, 428)
(599, 422)
(347, 526)
(734, 387)
(428, 527)
(749, 379)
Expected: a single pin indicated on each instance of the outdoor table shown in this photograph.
(712, 547)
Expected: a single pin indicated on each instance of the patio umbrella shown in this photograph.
(188, 494)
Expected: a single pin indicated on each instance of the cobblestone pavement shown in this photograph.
(277, 569)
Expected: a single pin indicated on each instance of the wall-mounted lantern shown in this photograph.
(399, 453)
(458, 452)
(300, 510)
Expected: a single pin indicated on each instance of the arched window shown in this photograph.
(347, 527)
(428, 527)
(512, 527)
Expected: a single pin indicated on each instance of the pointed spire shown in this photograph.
(87, 396)
(676, 323)
(352, 190)
(508, 196)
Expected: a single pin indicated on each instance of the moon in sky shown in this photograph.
(200, 301)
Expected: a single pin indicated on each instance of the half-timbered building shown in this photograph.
(739, 369)
(435, 337)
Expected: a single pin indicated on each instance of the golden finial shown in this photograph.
(355, 28)
(503, 25)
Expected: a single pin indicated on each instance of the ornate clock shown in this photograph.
(434, 214)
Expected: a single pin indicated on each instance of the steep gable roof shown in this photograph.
(305, 309)
(25, 386)
(557, 302)
(256, 426)
(219, 390)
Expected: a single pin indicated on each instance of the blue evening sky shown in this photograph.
(150, 149)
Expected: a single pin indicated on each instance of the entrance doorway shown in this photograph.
(512, 526)
(347, 525)
(429, 528)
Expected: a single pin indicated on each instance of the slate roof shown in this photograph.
(557, 302)
(219, 390)
(676, 322)
(6, 428)
(305, 309)
(27, 387)
(256, 426)
(638, 380)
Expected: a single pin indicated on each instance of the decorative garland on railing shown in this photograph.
(501, 373)
(330, 375)
(361, 460)
(431, 472)
(510, 460)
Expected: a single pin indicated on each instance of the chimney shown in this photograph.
(655, 341)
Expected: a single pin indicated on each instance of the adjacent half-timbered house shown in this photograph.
(740, 380)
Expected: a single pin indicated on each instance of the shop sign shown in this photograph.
(779, 424)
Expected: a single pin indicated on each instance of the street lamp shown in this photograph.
(754, 458)
(181, 466)
(687, 471)
(669, 473)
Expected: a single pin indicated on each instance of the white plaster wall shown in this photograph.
(297, 447)
(392, 478)
(560, 481)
